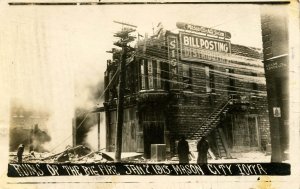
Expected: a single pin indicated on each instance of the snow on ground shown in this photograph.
(245, 157)
(248, 157)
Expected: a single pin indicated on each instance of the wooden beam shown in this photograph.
(98, 110)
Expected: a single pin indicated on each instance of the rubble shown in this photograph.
(82, 154)
(77, 154)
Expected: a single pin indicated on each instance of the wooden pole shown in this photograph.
(125, 38)
(120, 107)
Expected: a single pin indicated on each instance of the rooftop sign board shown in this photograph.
(204, 30)
(196, 48)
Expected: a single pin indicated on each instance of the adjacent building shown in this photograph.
(190, 81)
(28, 127)
(274, 26)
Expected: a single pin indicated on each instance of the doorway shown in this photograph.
(153, 134)
(245, 133)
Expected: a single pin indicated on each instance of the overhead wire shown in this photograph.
(216, 89)
(87, 112)
(242, 60)
(162, 42)
(197, 67)
(216, 83)
(218, 64)
(229, 56)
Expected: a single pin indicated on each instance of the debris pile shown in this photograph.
(77, 154)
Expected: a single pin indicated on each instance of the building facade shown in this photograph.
(190, 82)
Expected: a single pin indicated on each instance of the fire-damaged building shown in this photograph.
(28, 126)
(190, 81)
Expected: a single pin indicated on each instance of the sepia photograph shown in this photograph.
(150, 89)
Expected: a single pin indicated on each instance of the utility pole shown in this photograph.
(125, 38)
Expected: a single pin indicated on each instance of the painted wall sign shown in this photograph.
(173, 58)
(196, 48)
(204, 30)
(276, 65)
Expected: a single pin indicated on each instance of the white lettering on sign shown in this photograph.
(172, 44)
(173, 57)
(205, 43)
(197, 48)
(205, 30)
(197, 54)
(275, 65)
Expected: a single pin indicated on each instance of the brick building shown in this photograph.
(190, 82)
(274, 26)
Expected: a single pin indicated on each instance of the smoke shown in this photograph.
(96, 92)
(86, 121)
(28, 126)
(38, 139)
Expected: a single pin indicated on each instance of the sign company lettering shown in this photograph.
(204, 30)
(197, 48)
(173, 58)
(276, 65)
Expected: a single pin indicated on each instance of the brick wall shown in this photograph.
(187, 110)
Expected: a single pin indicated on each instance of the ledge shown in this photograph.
(152, 96)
